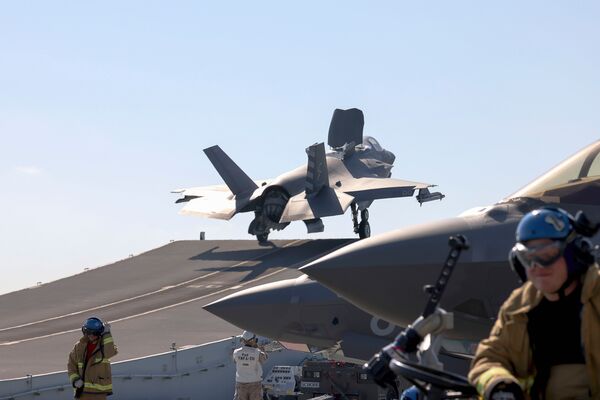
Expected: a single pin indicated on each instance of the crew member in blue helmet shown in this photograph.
(89, 361)
(545, 343)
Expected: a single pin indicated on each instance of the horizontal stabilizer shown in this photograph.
(214, 190)
(326, 203)
(236, 179)
(212, 207)
(202, 191)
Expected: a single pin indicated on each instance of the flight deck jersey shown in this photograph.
(248, 362)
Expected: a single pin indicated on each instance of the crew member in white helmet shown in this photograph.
(248, 368)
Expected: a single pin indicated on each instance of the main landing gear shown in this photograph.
(262, 237)
(363, 228)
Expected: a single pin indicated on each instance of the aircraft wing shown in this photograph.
(364, 189)
(325, 203)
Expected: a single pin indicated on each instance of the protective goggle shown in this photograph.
(542, 255)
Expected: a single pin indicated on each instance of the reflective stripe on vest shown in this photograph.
(488, 375)
(73, 377)
(100, 388)
(526, 383)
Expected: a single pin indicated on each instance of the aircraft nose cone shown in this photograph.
(385, 275)
(261, 309)
(295, 310)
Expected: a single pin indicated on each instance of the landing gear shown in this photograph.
(364, 214)
(262, 237)
(363, 229)
(259, 228)
(267, 215)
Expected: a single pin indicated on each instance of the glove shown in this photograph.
(106, 328)
(507, 391)
(78, 384)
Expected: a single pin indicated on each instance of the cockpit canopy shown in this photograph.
(574, 181)
(371, 142)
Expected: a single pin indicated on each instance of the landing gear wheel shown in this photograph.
(262, 237)
(364, 214)
(364, 229)
(354, 209)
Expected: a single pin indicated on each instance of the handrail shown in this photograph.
(60, 388)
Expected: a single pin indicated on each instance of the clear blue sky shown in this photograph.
(106, 107)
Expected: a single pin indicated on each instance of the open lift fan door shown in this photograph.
(346, 126)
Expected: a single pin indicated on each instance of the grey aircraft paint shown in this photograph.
(303, 311)
(384, 275)
(354, 174)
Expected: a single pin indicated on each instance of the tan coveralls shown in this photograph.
(97, 381)
(506, 355)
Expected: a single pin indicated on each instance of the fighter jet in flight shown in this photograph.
(385, 275)
(355, 173)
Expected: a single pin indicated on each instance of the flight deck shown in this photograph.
(153, 300)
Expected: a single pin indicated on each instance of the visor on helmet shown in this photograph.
(543, 255)
(87, 331)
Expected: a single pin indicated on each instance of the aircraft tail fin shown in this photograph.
(346, 127)
(237, 181)
(317, 176)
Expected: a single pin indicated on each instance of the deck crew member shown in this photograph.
(89, 361)
(248, 368)
(545, 343)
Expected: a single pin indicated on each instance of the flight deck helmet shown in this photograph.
(93, 326)
(248, 336)
(544, 223)
(567, 235)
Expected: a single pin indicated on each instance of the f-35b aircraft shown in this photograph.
(354, 174)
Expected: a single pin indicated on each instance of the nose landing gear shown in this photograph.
(363, 228)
